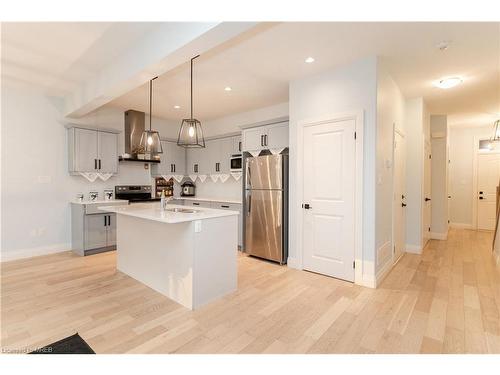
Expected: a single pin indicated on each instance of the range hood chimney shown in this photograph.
(135, 123)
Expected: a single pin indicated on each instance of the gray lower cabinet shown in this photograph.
(222, 206)
(92, 231)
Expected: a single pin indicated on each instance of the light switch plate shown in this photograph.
(197, 226)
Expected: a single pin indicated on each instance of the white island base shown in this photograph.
(191, 262)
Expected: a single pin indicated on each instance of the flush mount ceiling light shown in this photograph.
(191, 133)
(227, 88)
(309, 60)
(443, 45)
(150, 139)
(177, 106)
(448, 83)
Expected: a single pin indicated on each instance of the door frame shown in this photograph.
(358, 118)
(402, 134)
(475, 160)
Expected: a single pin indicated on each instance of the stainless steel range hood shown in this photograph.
(135, 123)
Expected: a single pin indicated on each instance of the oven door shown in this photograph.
(236, 163)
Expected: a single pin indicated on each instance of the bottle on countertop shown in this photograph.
(163, 201)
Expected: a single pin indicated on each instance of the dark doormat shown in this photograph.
(70, 345)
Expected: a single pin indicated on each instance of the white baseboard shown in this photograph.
(461, 226)
(439, 236)
(8, 255)
(414, 249)
(293, 263)
(383, 272)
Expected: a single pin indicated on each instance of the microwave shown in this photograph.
(235, 163)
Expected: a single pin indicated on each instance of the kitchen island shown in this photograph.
(188, 255)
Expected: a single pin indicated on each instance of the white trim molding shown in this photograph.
(439, 236)
(461, 226)
(362, 267)
(384, 271)
(413, 249)
(8, 255)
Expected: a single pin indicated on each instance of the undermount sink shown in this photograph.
(182, 210)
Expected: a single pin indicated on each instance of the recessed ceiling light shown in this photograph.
(177, 106)
(448, 83)
(309, 60)
(227, 88)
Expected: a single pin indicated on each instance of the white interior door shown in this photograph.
(427, 194)
(329, 153)
(488, 174)
(399, 201)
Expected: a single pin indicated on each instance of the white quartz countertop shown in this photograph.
(152, 211)
(233, 201)
(102, 201)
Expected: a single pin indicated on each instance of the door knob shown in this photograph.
(403, 204)
(481, 198)
(427, 199)
(306, 206)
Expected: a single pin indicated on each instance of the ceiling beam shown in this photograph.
(159, 51)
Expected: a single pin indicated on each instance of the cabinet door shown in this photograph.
(225, 148)
(85, 150)
(193, 160)
(108, 151)
(237, 145)
(95, 231)
(111, 230)
(209, 157)
(253, 139)
(277, 135)
(179, 159)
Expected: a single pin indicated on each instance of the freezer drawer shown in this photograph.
(264, 224)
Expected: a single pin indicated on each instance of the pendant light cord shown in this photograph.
(192, 84)
(151, 101)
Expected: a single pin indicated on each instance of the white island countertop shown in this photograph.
(152, 211)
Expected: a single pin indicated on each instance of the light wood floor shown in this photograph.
(444, 301)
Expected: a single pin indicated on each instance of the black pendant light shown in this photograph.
(150, 139)
(191, 133)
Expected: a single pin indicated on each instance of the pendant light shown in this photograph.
(150, 139)
(191, 133)
(496, 132)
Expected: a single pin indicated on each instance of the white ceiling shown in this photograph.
(259, 64)
(58, 56)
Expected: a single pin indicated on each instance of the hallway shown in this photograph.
(444, 301)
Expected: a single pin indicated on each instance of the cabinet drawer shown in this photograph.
(198, 204)
(93, 208)
(227, 206)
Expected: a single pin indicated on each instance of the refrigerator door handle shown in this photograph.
(248, 176)
(248, 202)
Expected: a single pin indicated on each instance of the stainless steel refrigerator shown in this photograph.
(266, 207)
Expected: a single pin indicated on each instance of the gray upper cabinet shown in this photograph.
(214, 158)
(253, 139)
(237, 145)
(193, 159)
(107, 144)
(92, 150)
(266, 137)
(172, 160)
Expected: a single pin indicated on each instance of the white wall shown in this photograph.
(349, 89)
(417, 133)
(234, 123)
(390, 115)
(439, 220)
(461, 172)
